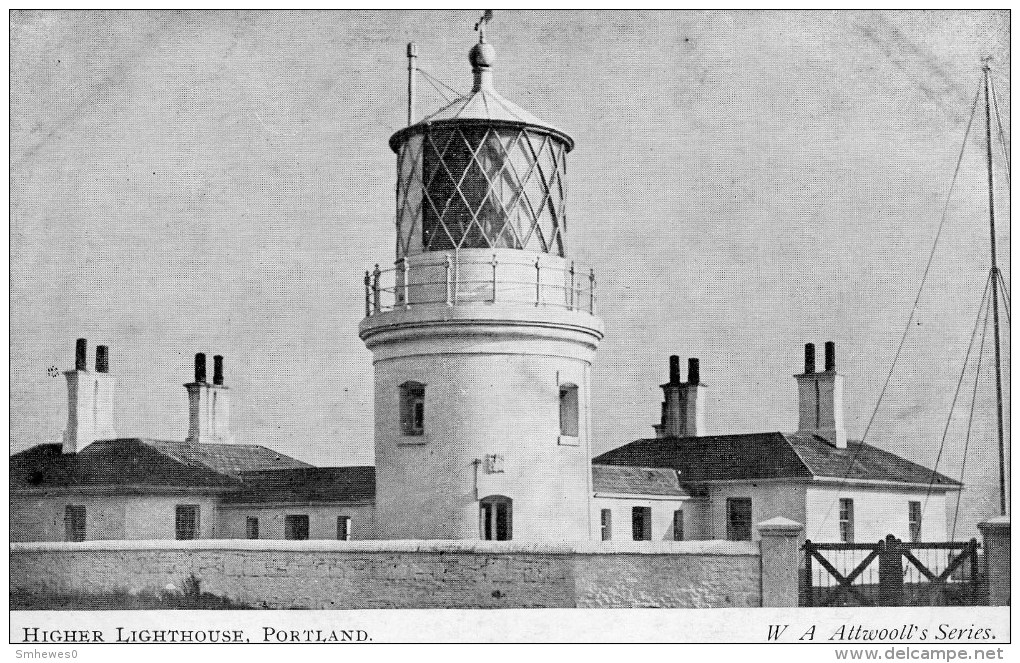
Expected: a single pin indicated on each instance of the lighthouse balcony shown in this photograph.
(505, 278)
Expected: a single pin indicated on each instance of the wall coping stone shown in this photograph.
(996, 523)
(714, 547)
(779, 526)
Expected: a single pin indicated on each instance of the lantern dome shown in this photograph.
(481, 172)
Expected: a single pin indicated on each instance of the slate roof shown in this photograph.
(308, 484)
(758, 456)
(143, 462)
(623, 479)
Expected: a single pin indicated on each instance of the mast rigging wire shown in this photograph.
(1002, 134)
(970, 421)
(989, 282)
(917, 299)
(1005, 292)
(435, 82)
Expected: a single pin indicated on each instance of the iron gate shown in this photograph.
(892, 573)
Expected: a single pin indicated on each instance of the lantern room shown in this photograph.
(481, 173)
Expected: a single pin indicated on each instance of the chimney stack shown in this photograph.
(830, 356)
(693, 371)
(200, 367)
(89, 400)
(809, 357)
(674, 369)
(821, 398)
(102, 359)
(81, 350)
(208, 404)
(683, 410)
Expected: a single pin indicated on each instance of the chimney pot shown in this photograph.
(200, 367)
(102, 359)
(809, 357)
(674, 369)
(830, 355)
(217, 369)
(693, 371)
(81, 348)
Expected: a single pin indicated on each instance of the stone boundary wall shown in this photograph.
(407, 574)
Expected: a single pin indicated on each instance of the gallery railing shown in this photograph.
(449, 279)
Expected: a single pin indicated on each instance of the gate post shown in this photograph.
(780, 562)
(809, 589)
(890, 572)
(995, 532)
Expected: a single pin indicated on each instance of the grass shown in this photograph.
(189, 597)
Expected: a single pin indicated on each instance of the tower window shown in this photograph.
(496, 514)
(914, 520)
(568, 410)
(74, 523)
(678, 525)
(295, 527)
(412, 408)
(186, 524)
(738, 518)
(607, 525)
(846, 520)
(251, 528)
(343, 528)
(641, 523)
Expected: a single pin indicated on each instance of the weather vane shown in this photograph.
(480, 25)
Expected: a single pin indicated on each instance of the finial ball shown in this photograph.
(482, 55)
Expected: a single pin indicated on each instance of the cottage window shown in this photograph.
(738, 518)
(914, 520)
(641, 523)
(678, 525)
(251, 528)
(74, 523)
(568, 410)
(496, 514)
(412, 408)
(295, 527)
(343, 528)
(846, 520)
(607, 525)
(186, 522)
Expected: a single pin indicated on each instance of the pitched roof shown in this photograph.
(142, 462)
(308, 484)
(230, 459)
(758, 456)
(636, 480)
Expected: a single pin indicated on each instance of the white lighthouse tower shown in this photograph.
(483, 333)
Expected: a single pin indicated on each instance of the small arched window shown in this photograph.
(496, 518)
(412, 408)
(568, 410)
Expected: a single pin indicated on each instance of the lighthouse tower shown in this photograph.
(483, 332)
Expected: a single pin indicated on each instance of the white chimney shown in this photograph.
(208, 404)
(821, 397)
(89, 400)
(683, 410)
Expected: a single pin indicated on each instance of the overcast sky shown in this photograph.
(743, 183)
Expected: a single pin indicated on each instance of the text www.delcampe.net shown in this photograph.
(919, 654)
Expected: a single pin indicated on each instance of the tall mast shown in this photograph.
(995, 295)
